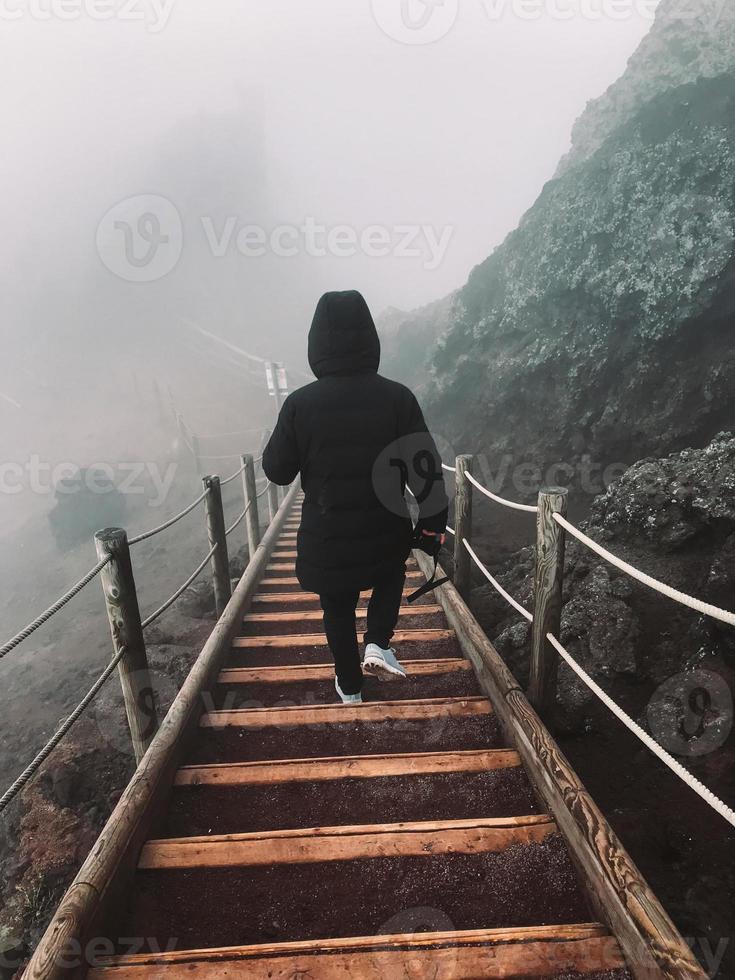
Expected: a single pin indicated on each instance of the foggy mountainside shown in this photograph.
(601, 332)
(602, 325)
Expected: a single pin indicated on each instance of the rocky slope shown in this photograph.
(602, 326)
(671, 669)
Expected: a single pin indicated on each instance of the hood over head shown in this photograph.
(343, 338)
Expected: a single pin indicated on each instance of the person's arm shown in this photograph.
(281, 462)
(424, 470)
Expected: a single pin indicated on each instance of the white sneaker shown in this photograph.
(382, 664)
(347, 698)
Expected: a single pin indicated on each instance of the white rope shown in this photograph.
(496, 585)
(450, 529)
(53, 609)
(449, 469)
(529, 508)
(162, 527)
(686, 600)
(258, 495)
(169, 602)
(676, 767)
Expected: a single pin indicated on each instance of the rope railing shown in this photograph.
(718, 805)
(238, 521)
(52, 609)
(676, 767)
(170, 523)
(706, 608)
(29, 772)
(529, 508)
(449, 469)
(223, 483)
(496, 585)
(180, 591)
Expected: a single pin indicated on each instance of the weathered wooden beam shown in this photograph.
(417, 839)
(463, 526)
(274, 771)
(549, 580)
(220, 562)
(123, 612)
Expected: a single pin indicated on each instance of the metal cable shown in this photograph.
(706, 608)
(63, 729)
(167, 524)
(179, 592)
(529, 508)
(53, 609)
(496, 585)
(676, 767)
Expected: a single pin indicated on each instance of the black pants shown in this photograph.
(341, 627)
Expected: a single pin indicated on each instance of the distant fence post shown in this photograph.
(251, 502)
(549, 580)
(463, 525)
(197, 453)
(220, 562)
(118, 585)
(272, 500)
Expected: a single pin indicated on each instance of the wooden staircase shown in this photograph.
(400, 838)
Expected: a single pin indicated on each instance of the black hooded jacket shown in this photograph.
(356, 438)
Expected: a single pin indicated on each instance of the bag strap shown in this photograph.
(430, 585)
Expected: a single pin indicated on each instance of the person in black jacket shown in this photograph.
(357, 439)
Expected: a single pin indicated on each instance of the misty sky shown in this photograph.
(269, 113)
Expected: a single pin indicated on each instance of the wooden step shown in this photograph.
(347, 843)
(530, 952)
(281, 555)
(273, 598)
(346, 767)
(324, 714)
(316, 615)
(319, 639)
(322, 672)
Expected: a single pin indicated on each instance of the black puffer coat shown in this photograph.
(356, 438)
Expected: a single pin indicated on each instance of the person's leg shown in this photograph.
(341, 630)
(384, 607)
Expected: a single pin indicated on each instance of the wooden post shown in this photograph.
(251, 502)
(118, 585)
(549, 579)
(463, 526)
(220, 562)
(272, 500)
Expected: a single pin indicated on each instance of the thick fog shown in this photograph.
(174, 164)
